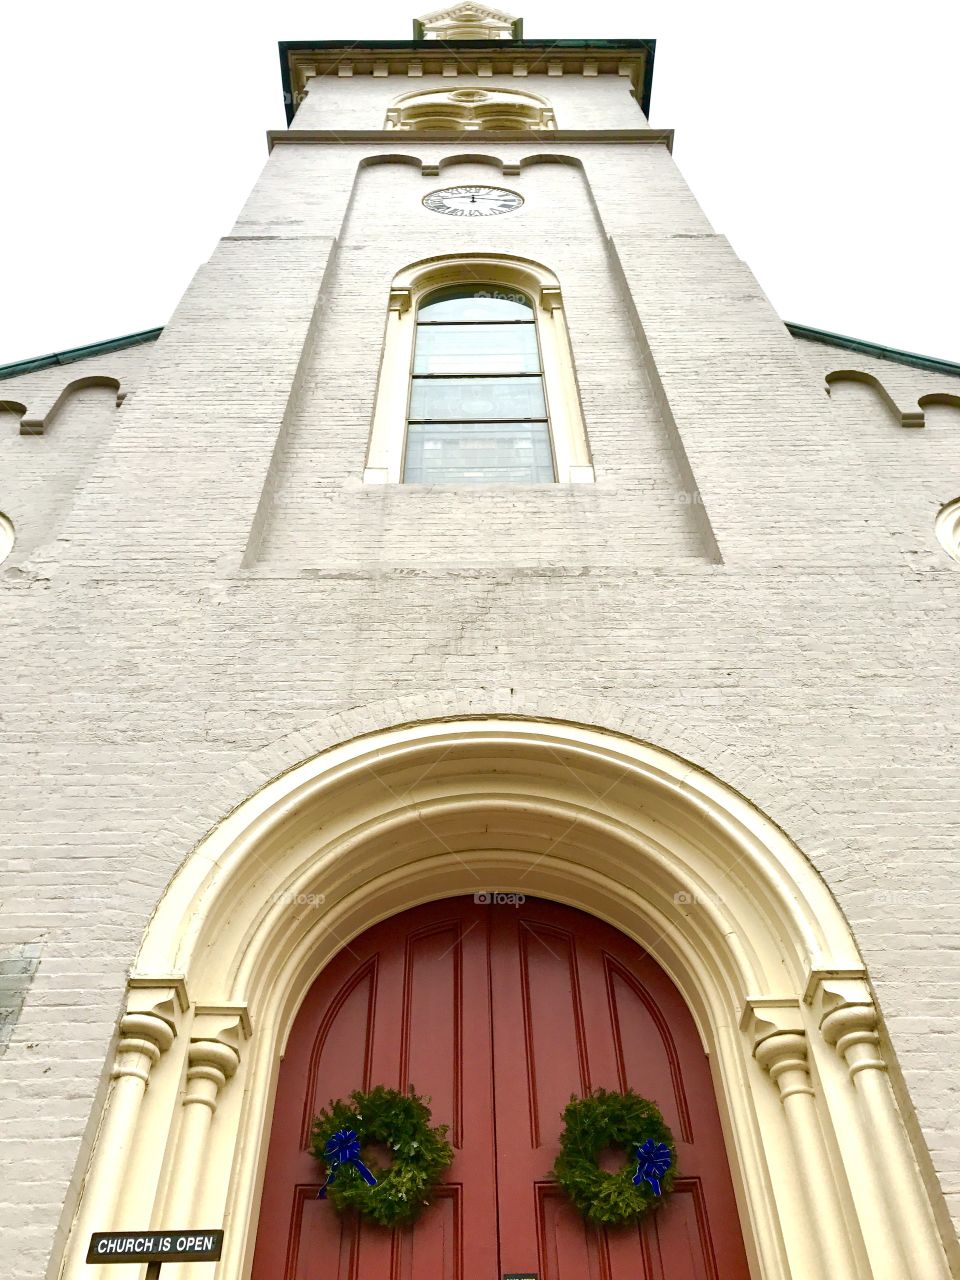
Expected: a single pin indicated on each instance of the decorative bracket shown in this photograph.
(400, 300)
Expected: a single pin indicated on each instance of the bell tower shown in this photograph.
(578, 416)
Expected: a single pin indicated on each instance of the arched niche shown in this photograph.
(828, 1184)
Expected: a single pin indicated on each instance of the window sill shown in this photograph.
(577, 475)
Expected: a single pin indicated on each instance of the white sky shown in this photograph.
(821, 138)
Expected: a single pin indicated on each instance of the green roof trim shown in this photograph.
(79, 353)
(862, 348)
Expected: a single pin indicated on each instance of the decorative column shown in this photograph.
(386, 437)
(216, 1038)
(580, 467)
(849, 1021)
(780, 1047)
(147, 1029)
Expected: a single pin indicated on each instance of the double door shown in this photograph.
(499, 1013)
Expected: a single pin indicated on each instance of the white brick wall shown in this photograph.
(40, 474)
(604, 102)
(149, 683)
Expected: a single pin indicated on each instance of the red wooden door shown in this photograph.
(499, 1013)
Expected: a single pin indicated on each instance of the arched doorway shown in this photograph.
(499, 1012)
(826, 1172)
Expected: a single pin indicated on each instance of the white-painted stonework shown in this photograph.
(257, 694)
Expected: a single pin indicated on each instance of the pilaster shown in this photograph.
(779, 1043)
(194, 452)
(216, 1042)
(746, 419)
(147, 1029)
(848, 1020)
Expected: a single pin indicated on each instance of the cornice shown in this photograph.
(411, 138)
(302, 60)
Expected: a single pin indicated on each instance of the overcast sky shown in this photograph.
(821, 138)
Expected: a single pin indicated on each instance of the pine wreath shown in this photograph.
(394, 1195)
(606, 1119)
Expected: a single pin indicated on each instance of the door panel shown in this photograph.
(499, 1014)
(389, 1010)
(579, 1006)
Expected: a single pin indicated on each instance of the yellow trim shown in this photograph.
(662, 850)
(384, 462)
(472, 109)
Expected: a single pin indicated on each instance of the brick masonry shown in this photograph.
(753, 583)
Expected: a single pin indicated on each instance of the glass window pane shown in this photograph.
(476, 303)
(478, 453)
(477, 348)
(456, 399)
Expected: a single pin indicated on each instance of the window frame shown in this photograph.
(387, 441)
(424, 301)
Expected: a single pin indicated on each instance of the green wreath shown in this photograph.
(401, 1121)
(605, 1119)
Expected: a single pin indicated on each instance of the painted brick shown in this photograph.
(205, 593)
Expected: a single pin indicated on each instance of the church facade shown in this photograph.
(478, 647)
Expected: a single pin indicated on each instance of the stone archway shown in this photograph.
(632, 834)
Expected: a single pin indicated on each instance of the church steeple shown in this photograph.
(467, 21)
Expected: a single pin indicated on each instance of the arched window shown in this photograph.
(478, 412)
(476, 380)
(471, 109)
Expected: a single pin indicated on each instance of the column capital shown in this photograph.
(766, 1016)
(148, 1026)
(775, 1027)
(172, 983)
(843, 1006)
(227, 1023)
(828, 988)
(216, 1040)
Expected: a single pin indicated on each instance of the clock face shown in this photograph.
(472, 202)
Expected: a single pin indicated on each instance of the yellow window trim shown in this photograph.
(384, 463)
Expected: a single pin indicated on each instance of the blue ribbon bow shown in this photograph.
(343, 1148)
(653, 1161)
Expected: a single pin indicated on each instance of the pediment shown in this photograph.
(468, 21)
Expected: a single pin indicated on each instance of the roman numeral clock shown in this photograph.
(473, 202)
